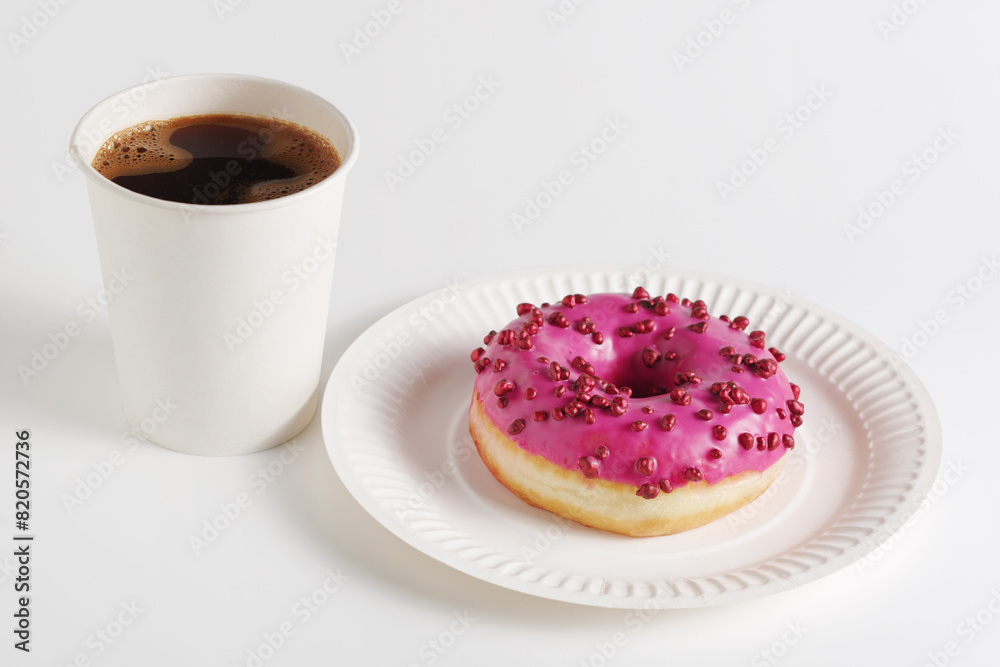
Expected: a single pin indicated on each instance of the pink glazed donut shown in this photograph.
(634, 414)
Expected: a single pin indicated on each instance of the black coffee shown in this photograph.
(217, 159)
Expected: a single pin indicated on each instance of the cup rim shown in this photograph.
(77, 144)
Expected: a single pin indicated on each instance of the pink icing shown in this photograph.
(634, 447)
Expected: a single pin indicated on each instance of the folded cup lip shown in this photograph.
(79, 145)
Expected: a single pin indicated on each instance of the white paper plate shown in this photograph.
(395, 422)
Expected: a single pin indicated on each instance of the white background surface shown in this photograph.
(652, 193)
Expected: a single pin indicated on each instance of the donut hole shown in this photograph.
(644, 382)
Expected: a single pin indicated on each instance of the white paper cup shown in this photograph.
(218, 313)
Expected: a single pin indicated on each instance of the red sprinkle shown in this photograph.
(640, 293)
(739, 323)
(540, 415)
(761, 443)
(524, 308)
(603, 452)
(668, 422)
(498, 365)
(715, 454)
(503, 386)
(673, 298)
(746, 440)
(719, 431)
(666, 486)
(558, 414)
(632, 307)
(766, 368)
(647, 491)
(489, 337)
(530, 393)
(646, 465)
(788, 441)
(680, 397)
(693, 475)
(704, 415)
(616, 410)
(648, 409)
(773, 440)
(516, 427)
(795, 391)
(649, 357)
(598, 337)
(796, 420)
(589, 416)
(796, 408)
(477, 353)
(638, 425)
(782, 413)
(590, 466)
(727, 351)
(758, 405)
(599, 401)
(482, 364)
(661, 308)
(560, 390)
(699, 327)
(778, 356)
(558, 319)
(625, 332)
(502, 402)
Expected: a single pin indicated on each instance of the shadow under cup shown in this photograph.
(218, 313)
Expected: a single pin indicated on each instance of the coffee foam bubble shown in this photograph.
(141, 149)
(146, 149)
